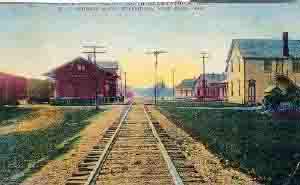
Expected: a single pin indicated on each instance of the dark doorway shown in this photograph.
(252, 92)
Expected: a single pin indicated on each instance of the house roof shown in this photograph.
(266, 48)
(186, 83)
(213, 77)
(263, 48)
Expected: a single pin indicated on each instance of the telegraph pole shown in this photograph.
(125, 86)
(155, 53)
(94, 52)
(173, 82)
(204, 56)
(121, 85)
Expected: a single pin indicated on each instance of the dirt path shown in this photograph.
(207, 164)
(58, 170)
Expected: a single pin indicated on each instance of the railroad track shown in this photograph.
(135, 151)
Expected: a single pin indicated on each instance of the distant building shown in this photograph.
(185, 89)
(77, 79)
(12, 88)
(214, 88)
(253, 64)
(39, 91)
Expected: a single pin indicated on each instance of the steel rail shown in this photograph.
(171, 167)
(92, 178)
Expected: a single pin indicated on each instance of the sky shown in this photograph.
(35, 38)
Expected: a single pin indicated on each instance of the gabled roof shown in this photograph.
(213, 77)
(108, 66)
(51, 73)
(186, 83)
(264, 48)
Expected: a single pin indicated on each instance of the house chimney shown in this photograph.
(285, 39)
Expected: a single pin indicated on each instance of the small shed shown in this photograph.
(185, 89)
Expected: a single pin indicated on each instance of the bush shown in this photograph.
(261, 146)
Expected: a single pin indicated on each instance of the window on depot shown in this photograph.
(267, 66)
(296, 66)
(80, 67)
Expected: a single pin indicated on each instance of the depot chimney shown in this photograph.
(285, 39)
(89, 57)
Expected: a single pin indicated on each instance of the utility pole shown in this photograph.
(94, 52)
(125, 85)
(173, 82)
(155, 53)
(204, 56)
(121, 85)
